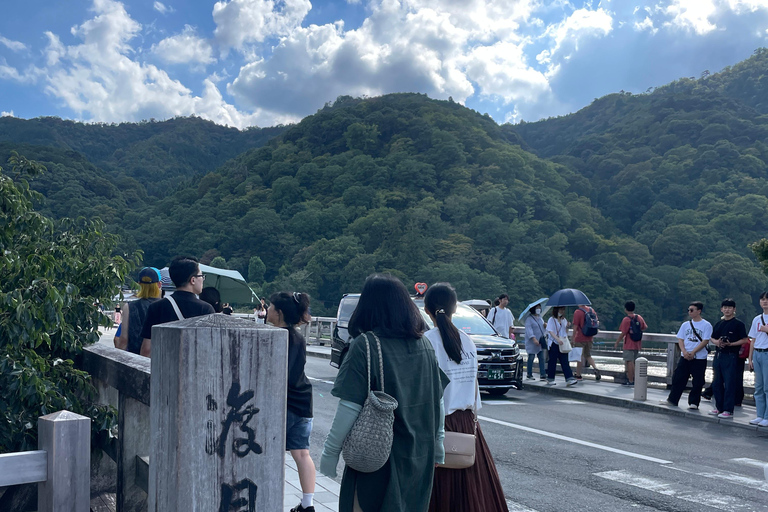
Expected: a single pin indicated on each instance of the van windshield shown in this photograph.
(346, 308)
(465, 319)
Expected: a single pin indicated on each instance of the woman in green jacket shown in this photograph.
(413, 377)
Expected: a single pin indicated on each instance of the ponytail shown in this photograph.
(440, 301)
(293, 305)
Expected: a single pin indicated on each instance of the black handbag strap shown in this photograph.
(694, 330)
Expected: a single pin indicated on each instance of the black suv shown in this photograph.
(500, 363)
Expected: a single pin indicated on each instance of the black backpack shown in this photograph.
(591, 322)
(635, 329)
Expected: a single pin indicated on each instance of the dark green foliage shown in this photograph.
(52, 274)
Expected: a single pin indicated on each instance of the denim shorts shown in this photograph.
(297, 432)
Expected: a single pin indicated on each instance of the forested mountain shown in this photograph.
(682, 170)
(649, 197)
(157, 155)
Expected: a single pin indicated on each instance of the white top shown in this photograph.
(462, 392)
(502, 319)
(685, 333)
(761, 338)
(560, 328)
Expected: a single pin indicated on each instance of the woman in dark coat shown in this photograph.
(413, 378)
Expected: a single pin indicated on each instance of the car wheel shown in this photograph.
(497, 391)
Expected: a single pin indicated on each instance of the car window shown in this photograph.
(465, 319)
(346, 308)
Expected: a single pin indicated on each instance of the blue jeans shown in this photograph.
(761, 383)
(531, 357)
(554, 356)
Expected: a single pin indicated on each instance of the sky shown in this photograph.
(265, 62)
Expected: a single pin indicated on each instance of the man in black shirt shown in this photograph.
(728, 335)
(183, 303)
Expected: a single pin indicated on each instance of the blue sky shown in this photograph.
(263, 62)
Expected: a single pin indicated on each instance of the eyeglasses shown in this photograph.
(201, 276)
(691, 310)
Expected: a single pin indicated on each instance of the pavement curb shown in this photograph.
(572, 393)
(315, 351)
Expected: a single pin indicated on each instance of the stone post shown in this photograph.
(66, 437)
(217, 415)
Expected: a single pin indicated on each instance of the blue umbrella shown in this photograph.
(568, 297)
(527, 310)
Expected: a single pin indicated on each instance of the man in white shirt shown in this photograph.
(758, 361)
(501, 317)
(692, 337)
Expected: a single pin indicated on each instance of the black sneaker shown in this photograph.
(299, 508)
(597, 375)
(578, 377)
(627, 383)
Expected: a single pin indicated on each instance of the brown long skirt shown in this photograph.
(475, 489)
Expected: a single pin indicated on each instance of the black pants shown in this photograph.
(724, 386)
(740, 381)
(694, 368)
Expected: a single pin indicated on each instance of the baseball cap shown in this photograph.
(149, 275)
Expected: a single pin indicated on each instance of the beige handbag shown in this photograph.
(459, 447)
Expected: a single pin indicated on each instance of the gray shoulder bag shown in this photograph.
(369, 442)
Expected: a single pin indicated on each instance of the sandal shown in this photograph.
(597, 375)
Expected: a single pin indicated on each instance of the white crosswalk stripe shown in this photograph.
(722, 475)
(517, 507)
(709, 499)
(744, 461)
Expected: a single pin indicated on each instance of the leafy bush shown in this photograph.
(53, 274)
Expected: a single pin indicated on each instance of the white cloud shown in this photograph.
(99, 80)
(240, 22)
(581, 23)
(7, 114)
(692, 14)
(15, 46)
(646, 24)
(184, 48)
(162, 8)
(501, 70)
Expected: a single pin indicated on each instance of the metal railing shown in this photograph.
(318, 331)
(61, 466)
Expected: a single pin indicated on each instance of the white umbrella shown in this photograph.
(527, 310)
(230, 283)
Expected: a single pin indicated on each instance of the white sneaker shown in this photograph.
(693, 407)
(573, 382)
(755, 421)
(763, 423)
(666, 402)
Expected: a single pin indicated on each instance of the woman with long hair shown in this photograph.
(288, 310)
(557, 331)
(413, 378)
(476, 488)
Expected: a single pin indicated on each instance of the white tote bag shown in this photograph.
(575, 354)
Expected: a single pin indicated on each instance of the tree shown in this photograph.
(219, 262)
(760, 249)
(256, 269)
(53, 273)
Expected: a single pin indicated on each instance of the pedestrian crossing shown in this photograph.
(713, 488)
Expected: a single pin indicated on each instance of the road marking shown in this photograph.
(719, 474)
(502, 402)
(517, 507)
(575, 402)
(321, 380)
(709, 499)
(574, 440)
(749, 462)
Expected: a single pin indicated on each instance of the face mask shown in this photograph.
(537, 311)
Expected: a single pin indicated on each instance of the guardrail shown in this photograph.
(318, 331)
(61, 466)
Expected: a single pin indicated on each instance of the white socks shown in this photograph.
(307, 499)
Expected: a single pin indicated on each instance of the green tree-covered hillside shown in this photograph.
(155, 154)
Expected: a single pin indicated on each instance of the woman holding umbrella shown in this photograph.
(535, 337)
(557, 329)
